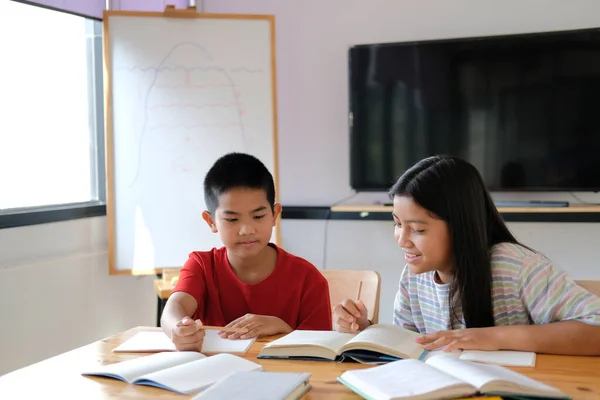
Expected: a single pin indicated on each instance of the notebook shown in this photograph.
(256, 385)
(378, 343)
(184, 372)
(443, 377)
(501, 357)
(151, 342)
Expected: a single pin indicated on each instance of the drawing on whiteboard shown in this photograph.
(189, 69)
(182, 164)
(194, 85)
(199, 90)
(244, 69)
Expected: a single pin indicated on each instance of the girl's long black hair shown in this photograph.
(453, 190)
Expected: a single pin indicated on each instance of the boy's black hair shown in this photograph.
(453, 190)
(237, 170)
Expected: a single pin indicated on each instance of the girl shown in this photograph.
(468, 283)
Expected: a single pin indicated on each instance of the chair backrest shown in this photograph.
(346, 284)
(590, 286)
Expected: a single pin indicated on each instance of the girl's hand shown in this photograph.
(462, 339)
(350, 316)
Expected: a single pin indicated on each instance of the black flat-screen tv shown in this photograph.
(524, 109)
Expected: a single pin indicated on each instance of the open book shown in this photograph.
(183, 372)
(442, 377)
(151, 342)
(377, 344)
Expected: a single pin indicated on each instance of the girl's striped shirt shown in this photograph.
(527, 288)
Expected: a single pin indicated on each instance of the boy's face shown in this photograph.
(244, 221)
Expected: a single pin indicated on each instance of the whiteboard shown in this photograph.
(180, 93)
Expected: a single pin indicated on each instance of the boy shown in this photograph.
(249, 283)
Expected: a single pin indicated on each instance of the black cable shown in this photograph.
(581, 201)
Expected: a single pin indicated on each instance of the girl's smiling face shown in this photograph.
(424, 238)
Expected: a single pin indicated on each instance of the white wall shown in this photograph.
(312, 41)
(313, 37)
(56, 294)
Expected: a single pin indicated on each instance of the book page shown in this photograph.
(390, 338)
(328, 339)
(465, 370)
(490, 377)
(197, 375)
(132, 369)
(405, 379)
(441, 352)
(213, 343)
(146, 342)
(502, 357)
(149, 342)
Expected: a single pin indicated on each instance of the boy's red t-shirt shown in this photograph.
(295, 292)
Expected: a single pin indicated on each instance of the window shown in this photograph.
(51, 129)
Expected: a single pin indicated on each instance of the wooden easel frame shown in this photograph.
(170, 12)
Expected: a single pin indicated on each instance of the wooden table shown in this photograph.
(59, 377)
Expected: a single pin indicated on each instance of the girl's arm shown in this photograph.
(565, 337)
(565, 318)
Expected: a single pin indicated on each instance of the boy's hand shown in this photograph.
(187, 335)
(350, 316)
(463, 339)
(256, 325)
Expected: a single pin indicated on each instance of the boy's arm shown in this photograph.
(315, 306)
(187, 295)
(314, 313)
(179, 305)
